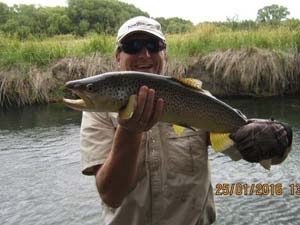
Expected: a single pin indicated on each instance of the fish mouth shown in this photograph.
(77, 104)
(82, 104)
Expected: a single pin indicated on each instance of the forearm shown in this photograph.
(118, 173)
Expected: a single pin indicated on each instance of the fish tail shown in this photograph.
(220, 141)
(266, 163)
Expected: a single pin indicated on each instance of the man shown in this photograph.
(145, 173)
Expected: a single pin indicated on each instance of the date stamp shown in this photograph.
(259, 189)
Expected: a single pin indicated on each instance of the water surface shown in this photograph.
(41, 182)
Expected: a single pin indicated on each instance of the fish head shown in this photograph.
(95, 95)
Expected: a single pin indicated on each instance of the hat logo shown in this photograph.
(141, 24)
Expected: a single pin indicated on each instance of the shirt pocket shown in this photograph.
(187, 152)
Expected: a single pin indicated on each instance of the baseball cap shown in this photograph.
(140, 24)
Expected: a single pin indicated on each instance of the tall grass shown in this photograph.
(252, 71)
(34, 70)
(207, 38)
(41, 53)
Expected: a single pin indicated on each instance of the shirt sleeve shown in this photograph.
(96, 137)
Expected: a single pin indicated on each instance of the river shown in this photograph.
(41, 182)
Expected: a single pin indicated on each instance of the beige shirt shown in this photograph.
(173, 184)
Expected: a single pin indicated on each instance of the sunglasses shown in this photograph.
(134, 46)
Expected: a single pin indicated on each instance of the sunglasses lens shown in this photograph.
(152, 46)
(136, 45)
(133, 46)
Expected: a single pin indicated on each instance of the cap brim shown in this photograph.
(153, 33)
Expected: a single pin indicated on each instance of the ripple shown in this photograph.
(41, 181)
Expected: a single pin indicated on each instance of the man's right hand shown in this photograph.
(121, 165)
(146, 112)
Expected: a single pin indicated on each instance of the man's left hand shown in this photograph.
(262, 139)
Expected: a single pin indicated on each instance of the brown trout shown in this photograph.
(185, 102)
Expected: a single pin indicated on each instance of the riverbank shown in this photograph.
(260, 62)
(244, 72)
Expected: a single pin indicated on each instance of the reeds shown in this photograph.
(24, 89)
(264, 61)
(253, 71)
(205, 38)
(40, 85)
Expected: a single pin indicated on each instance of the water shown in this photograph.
(268, 207)
(41, 182)
(40, 176)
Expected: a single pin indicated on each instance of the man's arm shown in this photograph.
(116, 176)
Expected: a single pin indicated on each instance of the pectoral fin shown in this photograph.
(220, 141)
(127, 112)
(178, 129)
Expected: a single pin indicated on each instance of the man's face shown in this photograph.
(144, 60)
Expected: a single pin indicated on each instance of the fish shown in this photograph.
(186, 104)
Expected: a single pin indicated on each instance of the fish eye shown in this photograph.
(90, 87)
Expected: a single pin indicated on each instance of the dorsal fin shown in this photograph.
(191, 82)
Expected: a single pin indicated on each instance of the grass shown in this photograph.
(207, 38)
(261, 61)
(255, 70)
(41, 53)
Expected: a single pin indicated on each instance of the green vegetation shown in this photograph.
(272, 14)
(203, 39)
(24, 54)
(42, 48)
(79, 18)
(209, 37)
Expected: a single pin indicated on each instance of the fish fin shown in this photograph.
(266, 164)
(178, 129)
(127, 112)
(220, 141)
(194, 83)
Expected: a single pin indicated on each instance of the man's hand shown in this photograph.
(262, 139)
(146, 112)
